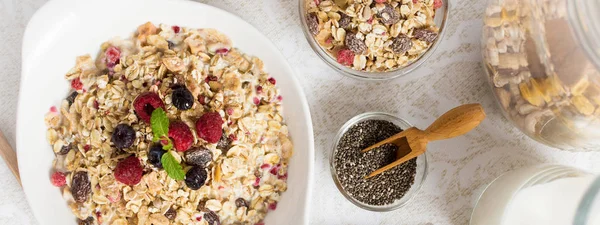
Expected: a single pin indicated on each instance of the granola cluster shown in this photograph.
(373, 35)
(246, 168)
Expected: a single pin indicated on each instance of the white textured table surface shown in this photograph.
(459, 168)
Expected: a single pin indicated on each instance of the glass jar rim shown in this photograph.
(589, 202)
(585, 21)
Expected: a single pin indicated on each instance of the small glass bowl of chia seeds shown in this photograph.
(387, 191)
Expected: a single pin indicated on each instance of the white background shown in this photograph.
(459, 168)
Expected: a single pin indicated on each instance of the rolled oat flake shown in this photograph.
(352, 165)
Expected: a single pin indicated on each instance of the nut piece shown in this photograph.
(198, 156)
(313, 23)
(145, 30)
(345, 21)
(388, 15)
(401, 44)
(174, 64)
(354, 44)
(426, 35)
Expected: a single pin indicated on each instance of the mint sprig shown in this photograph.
(160, 130)
(160, 124)
(173, 168)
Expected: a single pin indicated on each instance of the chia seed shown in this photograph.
(352, 165)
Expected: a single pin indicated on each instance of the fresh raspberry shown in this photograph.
(437, 4)
(272, 80)
(58, 179)
(76, 84)
(380, 1)
(208, 127)
(86, 148)
(53, 109)
(345, 57)
(279, 98)
(259, 89)
(113, 55)
(145, 104)
(256, 100)
(176, 29)
(265, 166)
(181, 135)
(129, 171)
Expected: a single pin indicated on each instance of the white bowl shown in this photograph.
(64, 29)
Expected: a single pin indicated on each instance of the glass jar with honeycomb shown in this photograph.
(542, 58)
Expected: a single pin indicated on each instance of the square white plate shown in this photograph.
(64, 29)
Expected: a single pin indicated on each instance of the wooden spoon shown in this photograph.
(412, 142)
(9, 157)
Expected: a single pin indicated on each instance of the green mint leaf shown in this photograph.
(173, 168)
(159, 123)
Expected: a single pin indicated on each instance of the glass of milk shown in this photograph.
(543, 194)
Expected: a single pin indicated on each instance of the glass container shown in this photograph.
(542, 59)
(441, 15)
(421, 163)
(543, 194)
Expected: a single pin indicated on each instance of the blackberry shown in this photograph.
(182, 98)
(195, 177)
(155, 155)
(123, 136)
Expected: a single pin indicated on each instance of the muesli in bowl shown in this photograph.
(373, 39)
(170, 126)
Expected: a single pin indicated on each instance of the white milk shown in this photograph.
(553, 203)
(544, 195)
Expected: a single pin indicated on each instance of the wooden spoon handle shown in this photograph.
(456, 122)
(9, 157)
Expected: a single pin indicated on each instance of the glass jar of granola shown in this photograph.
(542, 58)
(374, 39)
